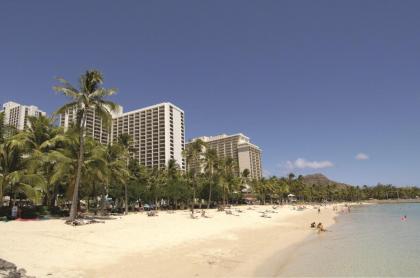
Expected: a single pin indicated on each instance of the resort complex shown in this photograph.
(209, 139)
(157, 132)
(238, 147)
(16, 115)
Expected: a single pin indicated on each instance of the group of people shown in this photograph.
(319, 227)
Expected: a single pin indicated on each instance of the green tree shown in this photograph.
(94, 168)
(89, 96)
(14, 176)
(211, 162)
(193, 155)
(126, 141)
(116, 159)
(39, 138)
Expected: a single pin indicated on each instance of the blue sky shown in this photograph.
(313, 83)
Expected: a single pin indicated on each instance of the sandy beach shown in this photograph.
(169, 244)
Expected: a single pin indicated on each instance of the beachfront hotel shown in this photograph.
(238, 147)
(95, 128)
(157, 131)
(16, 114)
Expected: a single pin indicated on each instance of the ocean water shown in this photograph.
(369, 241)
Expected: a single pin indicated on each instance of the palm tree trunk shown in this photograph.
(74, 202)
(53, 197)
(211, 183)
(193, 199)
(224, 197)
(1, 190)
(103, 204)
(209, 201)
(126, 198)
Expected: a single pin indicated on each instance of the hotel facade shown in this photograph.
(157, 131)
(238, 147)
(16, 115)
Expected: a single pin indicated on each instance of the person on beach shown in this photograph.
(320, 227)
(14, 211)
(319, 210)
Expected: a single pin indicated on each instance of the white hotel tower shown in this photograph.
(16, 114)
(157, 131)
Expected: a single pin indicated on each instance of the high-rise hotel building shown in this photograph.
(16, 114)
(95, 128)
(238, 147)
(158, 132)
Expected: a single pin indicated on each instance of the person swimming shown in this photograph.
(320, 227)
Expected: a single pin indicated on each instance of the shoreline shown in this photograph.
(245, 252)
(133, 245)
(393, 201)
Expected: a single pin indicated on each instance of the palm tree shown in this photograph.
(2, 127)
(39, 138)
(6, 131)
(13, 173)
(211, 161)
(227, 170)
(260, 187)
(90, 96)
(94, 169)
(193, 154)
(116, 159)
(125, 140)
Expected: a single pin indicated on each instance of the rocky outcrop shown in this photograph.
(9, 270)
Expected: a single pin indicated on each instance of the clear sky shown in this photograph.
(320, 86)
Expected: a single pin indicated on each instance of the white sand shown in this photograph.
(50, 248)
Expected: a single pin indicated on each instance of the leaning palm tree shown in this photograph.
(193, 154)
(89, 97)
(94, 168)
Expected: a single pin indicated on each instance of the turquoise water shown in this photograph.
(369, 241)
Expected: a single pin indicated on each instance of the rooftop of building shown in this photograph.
(11, 104)
(147, 108)
(243, 139)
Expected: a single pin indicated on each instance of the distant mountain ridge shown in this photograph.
(320, 179)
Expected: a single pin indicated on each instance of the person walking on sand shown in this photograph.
(319, 210)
